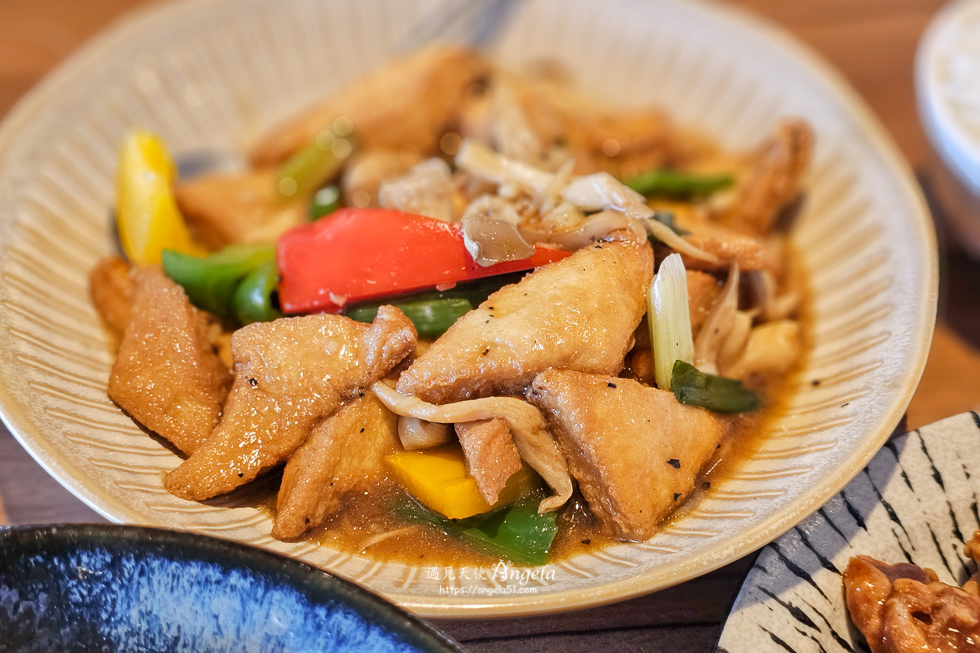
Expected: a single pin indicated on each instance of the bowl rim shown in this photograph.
(318, 584)
(554, 602)
(959, 150)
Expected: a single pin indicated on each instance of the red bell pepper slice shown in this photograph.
(358, 255)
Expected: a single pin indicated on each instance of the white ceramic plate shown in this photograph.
(213, 73)
(916, 502)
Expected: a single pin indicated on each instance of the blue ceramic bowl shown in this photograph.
(118, 589)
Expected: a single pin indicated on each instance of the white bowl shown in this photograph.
(947, 80)
(213, 73)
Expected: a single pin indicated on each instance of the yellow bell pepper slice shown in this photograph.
(437, 478)
(146, 211)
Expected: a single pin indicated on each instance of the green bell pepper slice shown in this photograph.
(516, 533)
(211, 282)
(255, 299)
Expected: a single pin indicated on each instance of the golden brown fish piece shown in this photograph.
(634, 450)
(622, 142)
(774, 181)
(237, 207)
(166, 374)
(344, 454)
(491, 455)
(728, 245)
(111, 289)
(289, 375)
(578, 313)
(406, 104)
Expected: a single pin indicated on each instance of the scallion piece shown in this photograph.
(324, 202)
(669, 319)
(676, 183)
(317, 163)
(717, 393)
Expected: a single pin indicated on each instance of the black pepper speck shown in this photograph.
(673, 462)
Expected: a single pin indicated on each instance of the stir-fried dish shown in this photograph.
(903, 608)
(454, 306)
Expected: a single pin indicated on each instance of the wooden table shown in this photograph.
(871, 41)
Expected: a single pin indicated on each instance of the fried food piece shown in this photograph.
(904, 609)
(702, 289)
(578, 313)
(238, 207)
(491, 455)
(344, 454)
(289, 375)
(406, 104)
(622, 142)
(972, 549)
(167, 375)
(111, 289)
(634, 450)
(774, 181)
(728, 245)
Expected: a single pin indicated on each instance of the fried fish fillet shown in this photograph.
(727, 245)
(167, 375)
(111, 289)
(406, 104)
(236, 207)
(578, 313)
(634, 450)
(774, 182)
(491, 455)
(289, 375)
(344, 454)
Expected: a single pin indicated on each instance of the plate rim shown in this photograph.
(563, 601)
(323, 584)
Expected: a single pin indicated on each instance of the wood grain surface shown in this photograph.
(872, 43)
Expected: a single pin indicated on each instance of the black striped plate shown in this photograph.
(916, 501)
